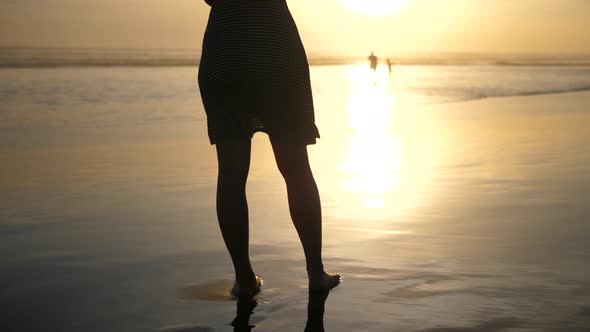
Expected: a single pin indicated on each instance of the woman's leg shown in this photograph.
(233, 156)
(305, 208)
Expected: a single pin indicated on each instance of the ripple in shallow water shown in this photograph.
(214, 290)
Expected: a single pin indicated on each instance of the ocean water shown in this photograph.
(455, 198)
(99, 96)
(60, 57)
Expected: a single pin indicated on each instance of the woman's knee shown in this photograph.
(292, 160)
(233, 173)
(233, 159)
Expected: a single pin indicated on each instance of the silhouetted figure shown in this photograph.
(389, 66)
(373, 60)
(267, 90)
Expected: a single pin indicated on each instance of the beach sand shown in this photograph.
(467, 216)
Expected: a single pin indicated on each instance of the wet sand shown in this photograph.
(467, 216)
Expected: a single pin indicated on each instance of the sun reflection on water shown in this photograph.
(375, 154)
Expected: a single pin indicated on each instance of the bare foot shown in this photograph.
(248, 289)
(324, 283)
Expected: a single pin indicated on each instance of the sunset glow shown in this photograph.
(374, 7)
(349, 27)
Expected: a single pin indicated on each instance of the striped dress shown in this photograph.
(254, 74)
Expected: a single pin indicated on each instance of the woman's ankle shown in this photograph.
(316, 272)
(246, 277)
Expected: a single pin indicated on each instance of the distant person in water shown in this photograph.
(389, 66)
(373, 60)
(254, 76)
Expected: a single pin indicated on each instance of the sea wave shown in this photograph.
(553, 91)
(490, 94)
(440, 84)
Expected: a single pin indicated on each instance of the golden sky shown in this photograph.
(347, 27)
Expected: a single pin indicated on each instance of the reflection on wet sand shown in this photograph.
(375, 154)
(315, 311)
(220, 291)
(246, 306)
